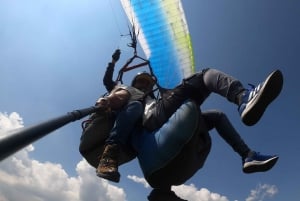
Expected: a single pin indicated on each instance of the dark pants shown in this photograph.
(197, 87)
(125, 123)
(218, 120)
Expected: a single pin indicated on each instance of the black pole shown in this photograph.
(20, 138)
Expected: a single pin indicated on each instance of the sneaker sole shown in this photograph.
(111, 177)
(269, 91)
(260, 167)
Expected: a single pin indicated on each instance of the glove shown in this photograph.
(116, 55)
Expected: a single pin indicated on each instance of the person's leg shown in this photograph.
(125, 123)
(199, 86)
(252, 102)
(252, 161)
(218, 120)
(223, 84)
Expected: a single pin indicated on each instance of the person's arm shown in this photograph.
(108, 76)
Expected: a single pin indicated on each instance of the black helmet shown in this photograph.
(144, 75)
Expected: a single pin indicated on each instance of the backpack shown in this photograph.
(94, 134)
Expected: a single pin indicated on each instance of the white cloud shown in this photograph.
(189, 192)
(9, 122)
(139, 180)
(23, 178)
(261, 192)
(93, 188)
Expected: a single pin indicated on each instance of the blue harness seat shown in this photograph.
(175, 152)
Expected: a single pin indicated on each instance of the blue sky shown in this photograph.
(53, 55)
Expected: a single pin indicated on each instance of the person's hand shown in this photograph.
(116, 55)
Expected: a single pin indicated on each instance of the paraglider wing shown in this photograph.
(164, 38)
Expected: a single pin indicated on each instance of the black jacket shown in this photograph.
(108, 77)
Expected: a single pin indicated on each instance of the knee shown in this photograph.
(215, 115)
(210, 79)
(208, 74)
(220, 115)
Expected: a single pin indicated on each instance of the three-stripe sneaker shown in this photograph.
(256, 99)
(257, 162)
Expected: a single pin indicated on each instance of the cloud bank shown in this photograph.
(23, 178)
(192, 193)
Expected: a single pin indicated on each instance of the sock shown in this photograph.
(239, 97)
